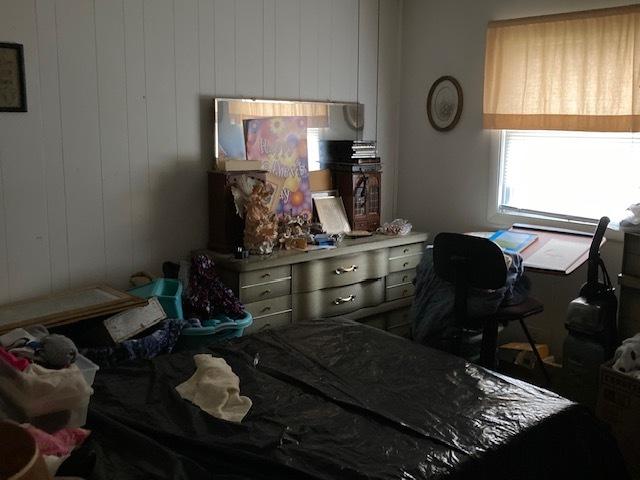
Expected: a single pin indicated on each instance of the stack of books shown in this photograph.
(350, 155)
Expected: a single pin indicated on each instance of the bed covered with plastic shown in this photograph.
(338, 400)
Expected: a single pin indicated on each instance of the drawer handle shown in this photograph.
(405, 291)
(341, 270)
(341, 300)
(266, 292)
(406, 250)
(405, 264)
(266, 309)
(405, 278)
(266, 275)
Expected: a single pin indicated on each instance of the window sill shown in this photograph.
(506, 220)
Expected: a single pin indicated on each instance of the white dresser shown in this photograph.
(368, 279)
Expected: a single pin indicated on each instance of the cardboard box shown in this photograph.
(517, 360)
(619, 406)
(521, 353)
(320, 180)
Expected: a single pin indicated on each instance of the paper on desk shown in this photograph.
(556, 255)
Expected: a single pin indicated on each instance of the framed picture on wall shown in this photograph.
(13, 91)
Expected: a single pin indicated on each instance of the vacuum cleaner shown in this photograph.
(592, 327)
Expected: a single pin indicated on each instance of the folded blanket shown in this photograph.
(215, 389)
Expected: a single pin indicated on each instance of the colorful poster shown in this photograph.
(280, 143)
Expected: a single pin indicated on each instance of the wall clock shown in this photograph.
(444, 103)
(354, 116)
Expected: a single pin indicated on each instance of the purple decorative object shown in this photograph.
(207, 295)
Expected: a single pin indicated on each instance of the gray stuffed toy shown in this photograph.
(56, 351)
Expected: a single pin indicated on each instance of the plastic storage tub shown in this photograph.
(50, 400)
(214, 330)
(169, 293)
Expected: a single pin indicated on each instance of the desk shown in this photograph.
(545, 235)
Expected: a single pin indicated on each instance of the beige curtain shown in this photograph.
(577, 71)
(317, 113)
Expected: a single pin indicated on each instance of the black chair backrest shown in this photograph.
(477, 262)
(467, 261)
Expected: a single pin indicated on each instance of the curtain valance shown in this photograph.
(576, 71)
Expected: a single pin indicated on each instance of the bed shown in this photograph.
(338, 400)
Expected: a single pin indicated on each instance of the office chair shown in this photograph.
(472, 262)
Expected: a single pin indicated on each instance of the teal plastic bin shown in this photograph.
(169, 293)
(215, 330)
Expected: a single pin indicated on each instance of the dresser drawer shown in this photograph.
(400, 278)
(269, 307)
(338, 271)
(375, 321)
(398, 264)
(628, 318)
(258, 277)
(268, 322)
(406, 250)
(398, 318)
(631, 264)
(337, 301)
(264, 291)
(401, 330)
(400, 291)
(631, 243)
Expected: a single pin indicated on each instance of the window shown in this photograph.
(563, 92)
(568, 175)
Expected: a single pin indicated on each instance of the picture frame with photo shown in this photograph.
(13, 90)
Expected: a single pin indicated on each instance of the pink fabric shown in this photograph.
(60, 443)
(18, 363)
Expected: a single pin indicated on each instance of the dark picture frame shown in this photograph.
(448, 116)
(13, 87)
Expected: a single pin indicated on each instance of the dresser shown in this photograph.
(367, 279)
(629, 280)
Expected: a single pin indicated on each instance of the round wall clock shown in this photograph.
(354, 116)
(444, 103)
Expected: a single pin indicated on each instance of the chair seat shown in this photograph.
(525, 309)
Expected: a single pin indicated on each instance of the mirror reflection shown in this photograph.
(285, 138)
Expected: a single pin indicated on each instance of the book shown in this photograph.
(352, 161)
(512, 242)
(557, 255)
(234, 165)
(351, 167)
(337, 150)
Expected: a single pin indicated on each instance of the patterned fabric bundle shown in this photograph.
(207, 295)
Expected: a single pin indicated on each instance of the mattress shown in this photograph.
(334, 399)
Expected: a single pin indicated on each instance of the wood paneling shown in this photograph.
(82, 156)
(23, 197)
(287, 58)
(114, 136)
(104, 175)
(51, 135)
(344, 49)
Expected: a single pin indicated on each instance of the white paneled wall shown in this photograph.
(105, 174)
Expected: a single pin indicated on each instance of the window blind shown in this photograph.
(578, 71)
(575, 175)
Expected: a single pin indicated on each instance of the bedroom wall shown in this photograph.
(105, 174)
(444, 177)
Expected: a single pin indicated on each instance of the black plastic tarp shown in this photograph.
(338, 400)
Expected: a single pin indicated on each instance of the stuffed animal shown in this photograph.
(56, 351)
(51, 351)
(627, 356)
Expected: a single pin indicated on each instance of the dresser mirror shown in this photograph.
(305, 123)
